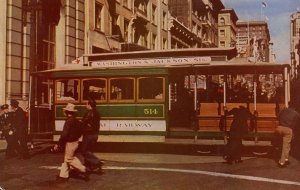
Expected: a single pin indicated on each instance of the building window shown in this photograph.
(153, 46)
(297, 28)
(98, 16)
(222, 21)
(164, 20)
(199, 31)
(94, 88)
(165, 45)
(142, 6)
(222, 33)
(146, 36)
(194, 29)
(126, 30)
(154, 14)
(222, 44)
(125, 3)
(48, 61)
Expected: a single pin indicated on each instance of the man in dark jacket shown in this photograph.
(91, 125)
(19, 123)
(239, 127)
(288, 119)
(8, 131)
(70, 139)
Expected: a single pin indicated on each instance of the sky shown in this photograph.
(278, 14)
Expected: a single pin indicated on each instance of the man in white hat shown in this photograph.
(70, 138)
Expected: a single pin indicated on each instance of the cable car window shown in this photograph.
(240, 88)
(209, 87)
(94, 88)
(67, 90)
(121, 89)
(150, 89)
(270, 88)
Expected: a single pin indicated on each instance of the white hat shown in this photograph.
(70, 107)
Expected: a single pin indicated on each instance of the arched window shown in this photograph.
(222, 21)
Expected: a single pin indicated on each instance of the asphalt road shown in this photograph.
(142, 171)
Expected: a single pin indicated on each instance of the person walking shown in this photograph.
(90, 127)
(19, 123)
(288, 118)
(70, 140)
(9, 132)
(239, 127)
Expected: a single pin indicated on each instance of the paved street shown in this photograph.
(152, 171)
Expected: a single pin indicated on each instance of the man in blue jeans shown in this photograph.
(91, 125)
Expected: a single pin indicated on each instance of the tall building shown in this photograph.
(295, 43)
(227, 28)
(201, 17)
(126, 25)
(27, 44)
(253, 40)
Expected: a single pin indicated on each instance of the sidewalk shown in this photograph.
(38, 146)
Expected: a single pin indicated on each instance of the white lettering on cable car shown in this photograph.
(152, 62)
(124, 125)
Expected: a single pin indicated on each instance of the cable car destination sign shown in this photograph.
(170, 61)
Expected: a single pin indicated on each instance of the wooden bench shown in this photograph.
(209, 117)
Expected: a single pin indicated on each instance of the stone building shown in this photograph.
(295, 43)
(126, 25)
(253, 40)
(201, 17)
(227, 28)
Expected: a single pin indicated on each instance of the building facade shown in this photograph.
(201, 17)
(126, 25)
(295, 43)
(14, 54)
(253, 40)
(227, 28)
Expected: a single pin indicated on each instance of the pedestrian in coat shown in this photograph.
(239, 127)
(288, 119)
(90, 127)
(70, 140)
(19, 123)
(8, 131)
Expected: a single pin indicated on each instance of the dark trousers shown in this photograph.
(234, 147)
(12, 145)
(88, 142)
(22, 141)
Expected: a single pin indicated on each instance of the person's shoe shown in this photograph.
(225, 157)
(228, 162)
(61, 179)
(84, 176)
(238, 161)
(98, 171)
(281, 165)
(287, 162)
